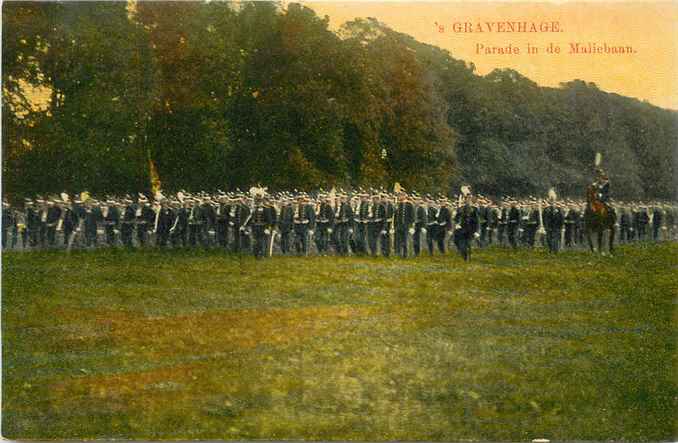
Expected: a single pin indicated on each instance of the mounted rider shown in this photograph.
(601, 184)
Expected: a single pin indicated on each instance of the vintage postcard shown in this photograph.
(339, 220)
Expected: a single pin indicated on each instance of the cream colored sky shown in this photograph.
(651, 28)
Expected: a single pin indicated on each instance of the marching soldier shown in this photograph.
(362, 220)
(553, 223)
(128, 221)
(195, 222)
(483, 220)
(467, 225)
(492, 222)
(444, 224)
(179, 229)
(145, 219)
(261, 223)
(625, 225)
(165, 221)
(111, 216)
(343, 224)
(304, 221)
(221, 220)
(32, 224)
(375, 223)
(208, 218)
(404, 220)
(388, 213)
(642, 220)
(502, 222)
(513, 225)
(240, 218)
(657, 219)
(325, 225)
(531, 226)
(570, 222)
(286, 225)
(432, 212)
(90, 218)
(70, 215)
(420, 223)
(52, 217)
(8, 223)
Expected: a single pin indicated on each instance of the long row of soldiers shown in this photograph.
(371, 222)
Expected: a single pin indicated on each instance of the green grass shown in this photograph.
(200, 345)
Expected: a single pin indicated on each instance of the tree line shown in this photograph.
(223, 96)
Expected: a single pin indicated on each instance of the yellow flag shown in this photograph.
(397, 188)
(155, 178)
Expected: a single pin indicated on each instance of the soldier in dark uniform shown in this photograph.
(502, 223)
(128, 221)
(432, 211)
(657, 219)
(343, 225)
(467, 225)
(324, 225)
(258, 223)
(304, 222)
(91, 219)
(221, 221)
(42, 222)
(570, 222)
(195, 222)
(670, 222)
(179, 229)
(444, 224)
(531, 226)
(165, 218)
(208, 217)
(642, 220)
(33, 223)
(483, 220)
(553, 220)
(111, 219)
(145, 219)
(70, 215)
(580, 226)
(362, 220)
(492, 223)
(513, 225)
(240, 219)
(53, 215)
(375, 223)
(624, 225)
(388, 230)
(404, 221)
(286, 225)
(8, 223)
(420, 225)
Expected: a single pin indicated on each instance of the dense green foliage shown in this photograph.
(188, 345)
(225, 96)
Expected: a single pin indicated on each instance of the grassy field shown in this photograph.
(513, 346)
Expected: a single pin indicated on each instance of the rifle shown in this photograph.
(77, 230)
(541, 231)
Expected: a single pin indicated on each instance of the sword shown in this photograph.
(270, 246)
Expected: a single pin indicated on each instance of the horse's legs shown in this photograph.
(588, 238)
(600, 240)
(612, 233)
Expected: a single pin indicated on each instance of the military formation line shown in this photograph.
(360, 222)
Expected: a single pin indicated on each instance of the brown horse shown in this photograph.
(598, 217)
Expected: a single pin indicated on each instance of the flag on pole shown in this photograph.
(153, 174)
